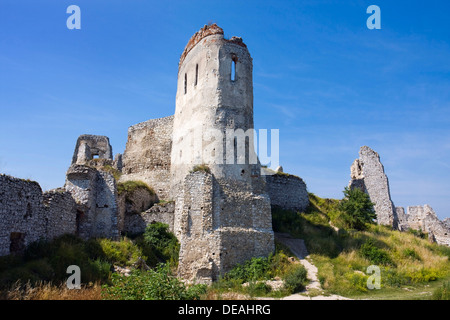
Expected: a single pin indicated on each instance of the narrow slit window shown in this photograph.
(234, 60)
(185, 83)
(196, 75)
(233, 70)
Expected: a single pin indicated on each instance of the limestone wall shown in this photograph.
(89, 146)
(367, 173)
(287, 192)
(95, 194)
(147, 155)
(219, 227)
(60, 213)
(22, 214)
(424, 218)
(28, 215)
(131, 204)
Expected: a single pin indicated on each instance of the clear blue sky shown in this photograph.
(320, 75)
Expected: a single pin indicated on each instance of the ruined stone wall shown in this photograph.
(60, 213)
(135, 223)
(216, 235)
(88, 146)
(287, 191)
(402, 219)
(22, 214)
(367, 173)
(147, 155)
(200, 249)
(424, 218)
(28, 215)
(95, 193)
(131, 204)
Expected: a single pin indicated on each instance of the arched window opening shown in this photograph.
(185, 83)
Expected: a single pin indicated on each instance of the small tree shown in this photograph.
(357, 209)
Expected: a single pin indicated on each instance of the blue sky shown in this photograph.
(320, 75)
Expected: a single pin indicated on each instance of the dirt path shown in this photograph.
(297, 246)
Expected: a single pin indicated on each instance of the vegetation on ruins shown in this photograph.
(408, 262)
(130, 186)
(201, 167)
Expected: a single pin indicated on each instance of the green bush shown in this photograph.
(374, 254)
(357, 210)
(418, 233)
(442, 293)
(161, 242)
(295, 279)
(411, 253)
(155, 284)
(258, 289)
(252, 270)
(122, 253)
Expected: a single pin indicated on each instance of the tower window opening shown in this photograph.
(233, 67)
(196, 75)
(185, 83)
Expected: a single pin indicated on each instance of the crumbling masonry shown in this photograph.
(221, 215)
(367, 173)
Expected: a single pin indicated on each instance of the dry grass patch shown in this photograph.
(48, 291)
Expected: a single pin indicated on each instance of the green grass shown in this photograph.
(201, 167)
(116, 173)
(47, 261)
(249, 277)
(409, 264)
(130, 186)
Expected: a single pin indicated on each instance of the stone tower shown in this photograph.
(367, 174)
(222, 214)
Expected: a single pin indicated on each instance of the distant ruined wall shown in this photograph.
(147, 155)
(89, 146)
(424, 218)
(287, 192)
(367, 173)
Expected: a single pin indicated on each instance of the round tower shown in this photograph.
(214, 97)
(222, 214)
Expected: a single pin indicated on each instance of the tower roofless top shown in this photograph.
(207, 30)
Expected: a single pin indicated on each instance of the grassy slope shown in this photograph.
(411, 269)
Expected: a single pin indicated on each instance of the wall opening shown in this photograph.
(185, 83)
(28, 212)
(234, 60)
(95, 156)
(196, 75)
(17, 242)
(79, 217)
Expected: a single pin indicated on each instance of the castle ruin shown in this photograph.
(220, 213)
(367, 174)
